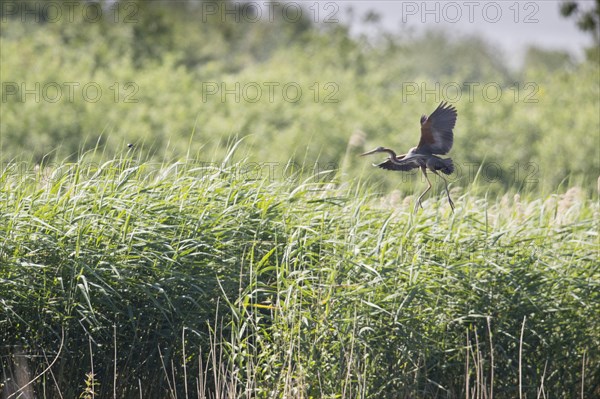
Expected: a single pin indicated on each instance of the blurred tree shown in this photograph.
(194, 32)
(588, 20)
(471, 57)
(551, 60)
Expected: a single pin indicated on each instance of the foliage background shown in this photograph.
(164, 58)
(185, 257)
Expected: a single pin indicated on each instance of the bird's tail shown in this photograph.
(446, 166)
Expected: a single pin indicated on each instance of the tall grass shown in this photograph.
(183, 279)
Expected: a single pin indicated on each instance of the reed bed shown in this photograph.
(134, 279)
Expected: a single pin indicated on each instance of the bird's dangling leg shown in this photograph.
(447, 191)
(424, 170)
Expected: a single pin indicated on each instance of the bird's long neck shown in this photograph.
(392, 153)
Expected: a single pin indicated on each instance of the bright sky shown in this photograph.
(511, 24)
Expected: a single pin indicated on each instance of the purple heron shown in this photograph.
(436, 139)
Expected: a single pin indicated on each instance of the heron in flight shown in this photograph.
(436, 139)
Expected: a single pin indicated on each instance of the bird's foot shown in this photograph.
(451, 204)
(417, 205)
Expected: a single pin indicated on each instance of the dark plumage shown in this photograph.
(436, 139)
(436, 131)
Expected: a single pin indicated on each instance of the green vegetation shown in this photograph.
(301, 290)
(240, 248)
(161, 81)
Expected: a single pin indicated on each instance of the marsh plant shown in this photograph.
(158, 280)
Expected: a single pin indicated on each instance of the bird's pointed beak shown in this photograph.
(376, 150)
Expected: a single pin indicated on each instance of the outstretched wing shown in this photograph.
(390, 165)
(436, 130)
